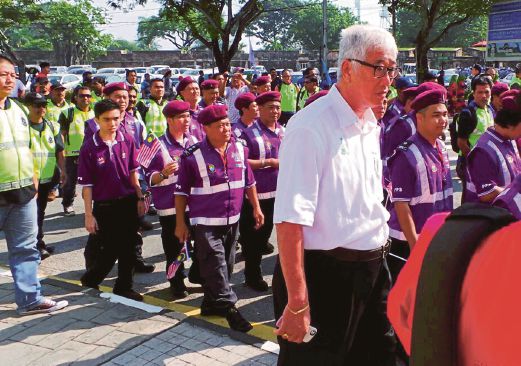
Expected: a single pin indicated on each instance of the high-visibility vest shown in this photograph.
(76, 130)
(288, 101)
(43, 146)
(53, 112)
(16, 159)
(155, 121)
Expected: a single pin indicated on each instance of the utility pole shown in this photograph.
(323, 55)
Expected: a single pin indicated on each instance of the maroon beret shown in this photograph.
(183, 83)
(429, 97)
(511, 103)
(423, 87)
(499, 88)
(244, 100)
(410, 92)
(175, 107)
(209, 84)
(212, 114)
(262, 80)
(315, 96)
(510, 93)
(271, 96)
(112, 87)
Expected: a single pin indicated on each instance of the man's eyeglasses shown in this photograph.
(84, 96)
(379, 70)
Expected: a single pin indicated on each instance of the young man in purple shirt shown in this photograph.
(113, 200)
(494, 162)
(420, 176)
(263, 141)
(161, 175)
(248, 112)
(213, 178)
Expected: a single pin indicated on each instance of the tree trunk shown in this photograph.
(422, 62)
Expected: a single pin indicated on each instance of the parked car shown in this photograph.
(447, 77)
(86, 67)
(110, 77)
(507, 79)
(70, 81)
(157, 67)
(143, 70)
(112, 70)
(80, 71)
(59, 70)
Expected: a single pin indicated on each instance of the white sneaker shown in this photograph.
(46, 306)
(69, 211)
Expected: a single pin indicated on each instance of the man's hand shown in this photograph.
(259, 217)
(272, 162)
(141, 208)
(170, 169)
(63, 179)
(91, 224)
(181, 232)
(293, 327)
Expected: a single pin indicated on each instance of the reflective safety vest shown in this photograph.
(155, 121)
(485, 119)
(288, 101)
(76, 130)
(95, 99)
(53, 113)
(16, 159)
(43, 146)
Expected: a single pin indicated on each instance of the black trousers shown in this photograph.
(401, 249)
(254, 241)
(215, 250)
(348, 303)
(118, 224)
(41, 203)
(171, 245)
(69, 188)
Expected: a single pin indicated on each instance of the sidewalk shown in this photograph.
(95, 331)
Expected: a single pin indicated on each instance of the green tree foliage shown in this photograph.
(122, 44)
(298, 24)
(447, 14)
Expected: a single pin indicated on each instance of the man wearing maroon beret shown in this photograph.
(248, 112)
(420, 176)
(210, 91)
(213, 178)
(263, 140)
(497, 90)
(263, 84)
(190, 92)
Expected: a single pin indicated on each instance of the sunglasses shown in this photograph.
(84, 96)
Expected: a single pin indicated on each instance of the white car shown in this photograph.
(70, 81)
(111, 70)
(59, 69)
(87, 67)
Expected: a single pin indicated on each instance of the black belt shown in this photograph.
(353, 255)
(115, 200)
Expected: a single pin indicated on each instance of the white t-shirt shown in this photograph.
(330, 177)
(18, 88)
(230, 94)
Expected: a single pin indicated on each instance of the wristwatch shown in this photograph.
(162, 175)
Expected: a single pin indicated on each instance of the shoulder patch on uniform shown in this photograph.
(405, 145)
(190, 150)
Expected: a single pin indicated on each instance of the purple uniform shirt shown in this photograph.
(196, 129)
(493, 162)
(263, 143)
(163, 193)
(510, 198)
(130, 125)
(107, 169)
(420, 175)
(238, 128)
(394, 110)
(215, 187)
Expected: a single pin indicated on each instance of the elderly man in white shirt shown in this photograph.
(331, 226)
(239, 85)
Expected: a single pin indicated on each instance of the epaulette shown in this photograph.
(190, 150)
(404, 146)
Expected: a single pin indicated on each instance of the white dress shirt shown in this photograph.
(330, 178)
(230, 94)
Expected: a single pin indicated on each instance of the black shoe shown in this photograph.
(195, 278)
(268, 249)
(129, 294)
(237, 322)
(145, 225)
(44, 254)
(49, 249)
(258, 285)
(144, 267)
(209, 311)
(87, 284)
(152, 211)
(178, 290)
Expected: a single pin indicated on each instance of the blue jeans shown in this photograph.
(19, 225)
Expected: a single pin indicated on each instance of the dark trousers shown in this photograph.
(69, 188)
(284, 118)
(401, 249)
(118, 224)
(171, 245)
(41, 203)
(348, 303)
(254, 241)
(215, 250)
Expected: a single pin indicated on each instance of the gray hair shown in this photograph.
(357, 40)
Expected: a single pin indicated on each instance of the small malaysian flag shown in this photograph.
(148, 150)
(148, 200)
(174, 266)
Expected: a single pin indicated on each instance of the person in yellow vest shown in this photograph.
(96, 86)
(289, 92)
(18, 186)
(56, 104)
(72, 127)
(310, 88)
(151, 109)
(47, 148)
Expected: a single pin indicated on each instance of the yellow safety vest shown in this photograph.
(53, 113)
(76, 131)
(155, 121)
(43, 146)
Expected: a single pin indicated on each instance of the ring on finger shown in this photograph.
(285, 336)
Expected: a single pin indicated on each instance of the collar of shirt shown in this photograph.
(173, 142)
(97, 138)
(261, 126)
(495, 135)
(7, 104)
(347, 116)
